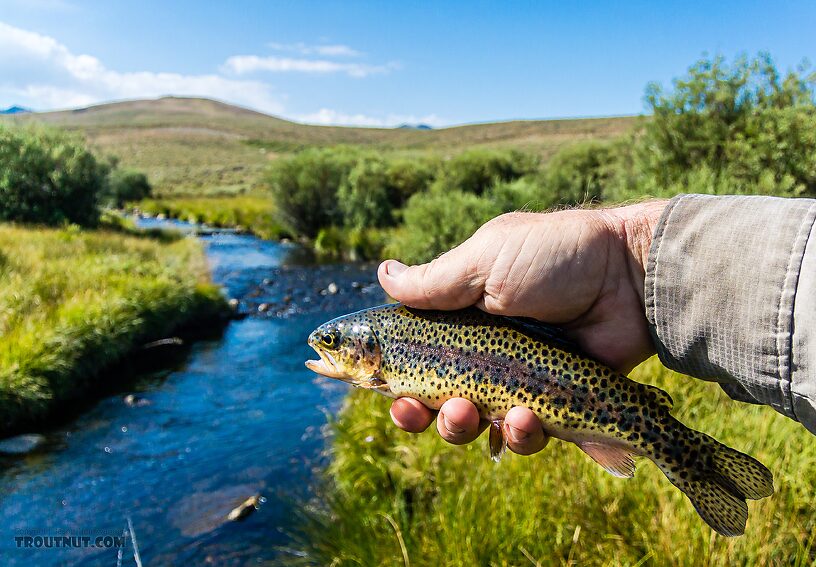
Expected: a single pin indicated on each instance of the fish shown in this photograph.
(500, 362)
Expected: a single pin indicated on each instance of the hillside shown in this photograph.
(201, 146)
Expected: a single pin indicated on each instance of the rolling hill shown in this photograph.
(195, 146)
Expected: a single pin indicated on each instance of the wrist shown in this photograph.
(634, 227)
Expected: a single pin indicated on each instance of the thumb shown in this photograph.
(451, 281)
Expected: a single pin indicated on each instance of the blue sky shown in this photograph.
(382, 63)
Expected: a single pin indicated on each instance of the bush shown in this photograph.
(526, 193)
(406, 177)
(48, 177)
(743, 120)
(474, 171)
(578, 173)
(363, 195)
(438, 220)
(125, 185)
(304, 188)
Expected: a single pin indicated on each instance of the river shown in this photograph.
(236, 416)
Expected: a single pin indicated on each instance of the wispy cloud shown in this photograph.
(326, 50)
(244, 64)
(38, 71)
(327, 116)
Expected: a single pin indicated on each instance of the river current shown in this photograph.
(235, 416)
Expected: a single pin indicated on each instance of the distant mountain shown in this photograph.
(414, 127)
(15, 110)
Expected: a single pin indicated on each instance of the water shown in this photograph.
(238, 416)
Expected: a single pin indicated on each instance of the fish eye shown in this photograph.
(330, 340)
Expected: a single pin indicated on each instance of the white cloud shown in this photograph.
(243, 64)
(327, 116)
(326, 50)
(38, 71)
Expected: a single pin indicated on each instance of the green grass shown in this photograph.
(392, 498)
(199, 147)
(72, 303)
(252, 213)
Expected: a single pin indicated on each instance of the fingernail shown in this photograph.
(516, 435)
(394, 268)
(451, 426)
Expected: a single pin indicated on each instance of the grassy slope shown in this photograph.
(453, 506)
(198, 146)
(72, 303)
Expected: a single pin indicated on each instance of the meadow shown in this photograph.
(394, 498)
(74, 302)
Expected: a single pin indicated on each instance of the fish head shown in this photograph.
(349, 351)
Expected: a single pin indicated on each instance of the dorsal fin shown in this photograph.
(545, 332)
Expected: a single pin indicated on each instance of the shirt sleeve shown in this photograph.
(730, 296)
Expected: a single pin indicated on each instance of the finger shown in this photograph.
(449, 282)
(458, 421)
(523, 430)
(410, 415)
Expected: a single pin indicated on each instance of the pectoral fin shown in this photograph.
(498, 444)
(616, 460)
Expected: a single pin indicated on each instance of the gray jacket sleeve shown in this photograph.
(731, 296)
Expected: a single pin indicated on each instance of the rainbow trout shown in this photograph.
(501, 362)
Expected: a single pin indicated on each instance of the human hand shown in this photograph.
(581, 269)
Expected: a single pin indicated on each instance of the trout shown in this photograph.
(499, 362)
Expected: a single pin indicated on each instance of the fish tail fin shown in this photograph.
(718, 483)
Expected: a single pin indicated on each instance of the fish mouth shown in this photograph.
(327, 366)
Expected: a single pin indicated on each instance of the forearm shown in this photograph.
(730, 290)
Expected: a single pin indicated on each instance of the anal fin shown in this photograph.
(498, 443)
(615, 460)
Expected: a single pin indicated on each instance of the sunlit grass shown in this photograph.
(254, 213)
(73, 302)
(392, 498)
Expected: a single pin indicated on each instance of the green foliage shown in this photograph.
(253, 213)
(48, 177)
(743, 120)
(304, 188)
(353, 244)
(363, 195)
(124, 186)
(386, 490)
(474, 171)
(578, 173)
(407, 177)
(74, 302)
(438, 220)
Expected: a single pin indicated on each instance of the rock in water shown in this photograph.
(246, 509)
(21, 444)
(135, 401)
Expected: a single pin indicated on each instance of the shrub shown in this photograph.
(474, 171)
(526, 193)
(744, 120)
(48, 177)
(304, 188)
(125, 185)
(363, 195)
(407, 177)
(438, 220)
(578, 173)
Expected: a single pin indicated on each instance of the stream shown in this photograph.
(233, 417)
